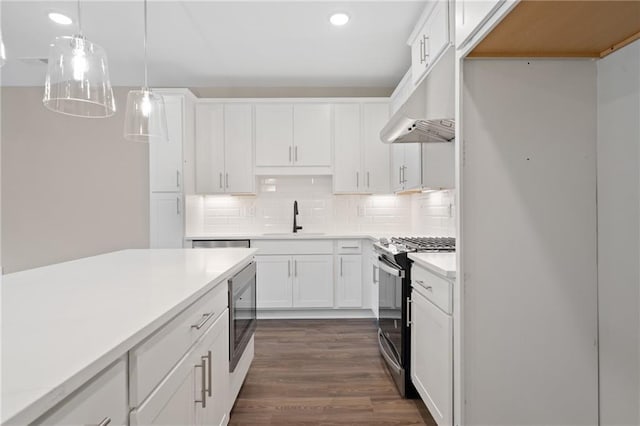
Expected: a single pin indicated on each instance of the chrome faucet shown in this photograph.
(295, 213)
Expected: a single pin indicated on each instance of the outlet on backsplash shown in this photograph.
(319, 210)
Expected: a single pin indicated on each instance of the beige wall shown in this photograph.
(71, 187)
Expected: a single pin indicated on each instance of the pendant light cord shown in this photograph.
(79, 19)
(145, 45)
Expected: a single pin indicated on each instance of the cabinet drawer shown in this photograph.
(349, 246)
(293, 247)
(150, 361)
(102, 399)
(436, 289)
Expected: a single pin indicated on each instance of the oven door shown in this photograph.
(242, 312)
(390, 322)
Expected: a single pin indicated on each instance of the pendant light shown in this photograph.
(3, 53)
(145, 118)
(77, 81)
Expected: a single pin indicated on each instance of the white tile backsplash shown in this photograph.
(271, 210)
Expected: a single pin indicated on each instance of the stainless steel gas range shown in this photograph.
(394, 333)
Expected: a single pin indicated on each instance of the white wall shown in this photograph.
(528, 242)
(619, 235)
(271, 210)
(71, 187)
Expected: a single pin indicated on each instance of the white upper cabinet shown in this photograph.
(238, 142)
(165, 164)
(312, 135)
(347, 162)
(429, 38)
(224, 140)
(293, 135)
(361, 160)
(274, 134)
(407, 166)
(470, 15)
(375, 153)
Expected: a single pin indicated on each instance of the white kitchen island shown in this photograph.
(64, 324)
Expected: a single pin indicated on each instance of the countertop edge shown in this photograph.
(57, 394)
(447, 274)
(282, 237)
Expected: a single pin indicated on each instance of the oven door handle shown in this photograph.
(384, 265)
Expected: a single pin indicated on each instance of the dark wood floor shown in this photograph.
(321, 372)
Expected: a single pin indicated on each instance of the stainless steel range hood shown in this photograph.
(428, 115)
(403, 129)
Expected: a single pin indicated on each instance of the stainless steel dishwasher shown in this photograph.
(220, 243)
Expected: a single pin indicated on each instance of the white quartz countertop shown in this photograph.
(62, 324)
(441, 263)
(286, 236)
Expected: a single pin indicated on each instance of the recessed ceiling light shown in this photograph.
(339, 19)
(59, 18)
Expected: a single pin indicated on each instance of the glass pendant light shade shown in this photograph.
(145, 119)
(3, 53)
(77, 80)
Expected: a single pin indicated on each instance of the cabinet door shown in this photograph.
(375, 153)
(438, 165)
(437, 30)
(209, 148)
(419, 59)
(238, 129)
(313, 281)
(470, 15)
(312, 134)
(104, 397)
(349, 282)
(214, 350)
(397, 166)
(166, 220)
(274, 134)
(274, 280)
(412, 174)
(165, 163)
(432, 357)
(346, 160)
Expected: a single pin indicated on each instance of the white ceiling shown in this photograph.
(223, 43)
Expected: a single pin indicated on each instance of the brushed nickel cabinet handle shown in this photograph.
(368, 181)
(205, 317)
(289, 154)
(374, 274)
(295, 150)
(226, 179)
(178, 178)
(203, 377)
(357, 179)
(289, 268)
(295, 268)
(341, 268)
(209, 373)
(220, 179)
(178, 205)
(400, 175)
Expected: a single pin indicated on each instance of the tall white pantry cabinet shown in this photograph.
(166, 171)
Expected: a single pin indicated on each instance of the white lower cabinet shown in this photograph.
(274, 286)
(102, 400)
(195, 391)
(166, 220)
(303, 281)
(432, 352)
(312, 279)
(349, 281)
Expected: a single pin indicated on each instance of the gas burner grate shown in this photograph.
(436, 244)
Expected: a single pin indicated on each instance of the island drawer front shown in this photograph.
(150, 361)
(435, 288)
(103, 399)
(293, 246)
(349, 246)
